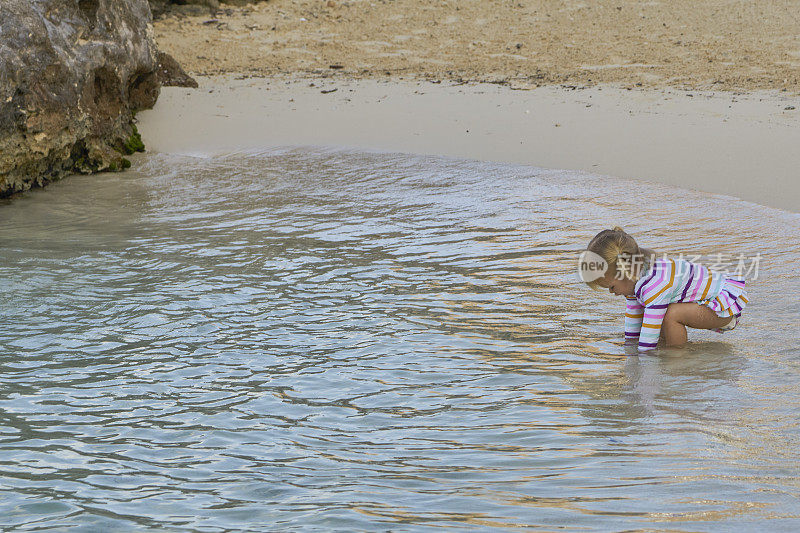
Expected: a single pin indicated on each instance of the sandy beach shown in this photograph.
(698, 95)
(341, 289)
(688, 44)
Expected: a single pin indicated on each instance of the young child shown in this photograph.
(665, 295)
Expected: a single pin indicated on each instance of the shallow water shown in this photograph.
(305, 339)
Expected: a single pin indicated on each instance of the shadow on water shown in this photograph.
(305, 338)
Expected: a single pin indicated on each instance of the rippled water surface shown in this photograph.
(319, 340)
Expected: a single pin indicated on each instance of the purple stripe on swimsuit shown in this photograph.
(654, 286)
(688, 283)
(726, 299)
(700, 279)
(646, 281)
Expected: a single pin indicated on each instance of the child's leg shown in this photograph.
(693, 315)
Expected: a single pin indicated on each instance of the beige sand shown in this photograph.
(690, 44)
(273, 60)
(745, 146)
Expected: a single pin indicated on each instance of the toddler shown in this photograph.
(664, 295)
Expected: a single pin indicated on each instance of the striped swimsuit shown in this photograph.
(676, 280)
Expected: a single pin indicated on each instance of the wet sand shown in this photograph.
(740, 145)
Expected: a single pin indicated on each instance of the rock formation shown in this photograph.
(171, 74)
(72, 74)
(193, 7)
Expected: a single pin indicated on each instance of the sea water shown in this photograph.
(308, 339)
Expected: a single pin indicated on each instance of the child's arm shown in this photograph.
(654, 294)
(651, 326)
(633, 320)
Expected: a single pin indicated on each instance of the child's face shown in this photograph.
(620, 287)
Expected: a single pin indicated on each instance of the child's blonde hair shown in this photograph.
(618, 250)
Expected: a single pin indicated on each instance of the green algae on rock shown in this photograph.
(133, 143)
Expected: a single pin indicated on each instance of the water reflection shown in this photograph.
(335, 340)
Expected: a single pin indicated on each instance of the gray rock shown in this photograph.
(171, 74)
(184, 7)
(240, 3)
(195, 8)
(72, 73)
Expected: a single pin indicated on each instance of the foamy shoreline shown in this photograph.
(724, 143)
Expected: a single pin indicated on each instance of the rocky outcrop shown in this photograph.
(171, 74)
(72, 74)
(193, 7)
